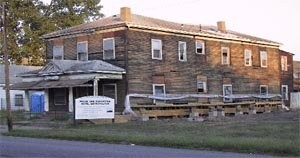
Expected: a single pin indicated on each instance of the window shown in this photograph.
(159, 91)
(201, 87)
(156, 46)
(82, 51)
(182, 51)
(58, 52)
(263, 89)
(108, 48)
(227, 91)
(18, 100)
(60, 97)
(110, 90)
(263, 59)
(284, 63)
(200, 49)
(225, 55)
(284, 92)
(248, 57)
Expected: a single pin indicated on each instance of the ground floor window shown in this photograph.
(201, 87)
(263, 89)
(60, 97)
(159, 90)
(19, 100)
(110, 90)
(284, 92)
(227, 91)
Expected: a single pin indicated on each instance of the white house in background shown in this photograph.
(16, 96)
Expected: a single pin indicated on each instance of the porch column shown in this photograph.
(26, 101)
(96, 86)
(46, 104)
(71, 99)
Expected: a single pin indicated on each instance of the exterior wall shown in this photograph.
(287, 76)
(296, 67)
(181, 77)
(133, 52)
(12, 99)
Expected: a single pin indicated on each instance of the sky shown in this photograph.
(276, 20)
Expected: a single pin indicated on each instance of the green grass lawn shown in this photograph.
(265, 137)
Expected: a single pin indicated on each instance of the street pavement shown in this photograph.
(46, 148)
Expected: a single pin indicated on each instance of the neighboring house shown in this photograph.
(17, 96)
(296, 65)
(129, 53)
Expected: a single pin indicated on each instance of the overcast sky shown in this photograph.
(277, 20)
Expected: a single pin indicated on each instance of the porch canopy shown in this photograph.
(45, 84)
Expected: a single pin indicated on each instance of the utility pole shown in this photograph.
(6, 63)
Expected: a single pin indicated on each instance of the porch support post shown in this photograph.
(96, 86)
(46, 104)
(27, 101)
(71, 99)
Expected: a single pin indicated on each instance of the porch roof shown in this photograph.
(45, 84)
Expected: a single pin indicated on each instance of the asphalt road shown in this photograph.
(31, 147)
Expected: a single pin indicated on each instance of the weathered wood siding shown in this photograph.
(181, 77)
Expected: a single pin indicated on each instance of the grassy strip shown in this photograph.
(275, 138)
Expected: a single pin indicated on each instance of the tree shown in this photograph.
(29, 19)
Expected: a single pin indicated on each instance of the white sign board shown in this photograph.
(94, 107)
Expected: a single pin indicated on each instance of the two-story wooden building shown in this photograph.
(129, 53)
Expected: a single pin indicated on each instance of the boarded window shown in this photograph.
(284, 63)
(58, 52)
(248, 57)
(200, 49)
(156, 47)
(263, 89)
(108, 48)
(263, 59)
(182, 51)
(19, 100)
(225, 55)
(82, 51)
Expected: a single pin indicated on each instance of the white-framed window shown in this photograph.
(284, 63)
(19, 100)
(225, 56)
(82, 51)
(201, 87)
(200, 47)
(108, 48)
(248, 57)
(58, 52)
(263, 89)
(182, 51)
(284, 92)
(156, 49)
(159, 90)
(263, 59)
(227, 91)
(110, 90)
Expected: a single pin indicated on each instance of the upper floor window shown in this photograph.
(263, 89)
(108, 48)
(248, 57)
(156, 48)
(284, 63)
(263, 59)
(58, 52)
(82, 51)
(200, 47)
(225, 56)
(182, 51)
